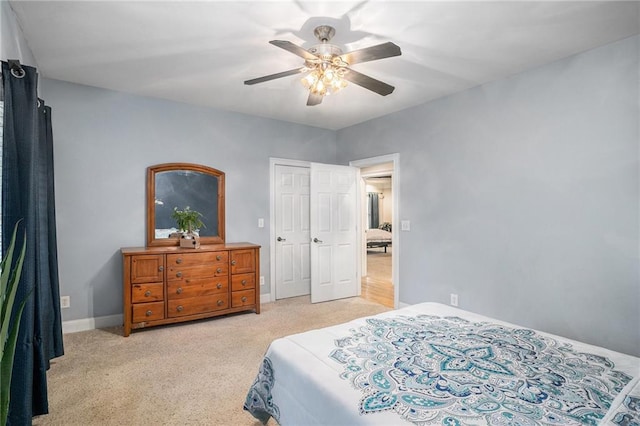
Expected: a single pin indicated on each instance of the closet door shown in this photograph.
(334, 232)
(292, 266)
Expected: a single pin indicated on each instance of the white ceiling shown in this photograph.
(201, 52)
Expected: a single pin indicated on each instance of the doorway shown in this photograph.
(361, 265)
(377, 279)
(380, 271)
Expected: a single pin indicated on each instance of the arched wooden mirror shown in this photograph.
(178, 185)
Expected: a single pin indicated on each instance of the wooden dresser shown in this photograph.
(165, 285)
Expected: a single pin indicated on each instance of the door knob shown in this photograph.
(281, 239)
(315, 240)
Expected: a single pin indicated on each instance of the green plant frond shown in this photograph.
(5, 265)
(11, 290)
(6, 364)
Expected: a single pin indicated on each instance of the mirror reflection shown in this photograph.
(180, 186)
(179, 189)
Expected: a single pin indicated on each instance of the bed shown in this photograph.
(378, 238)
(432, 364)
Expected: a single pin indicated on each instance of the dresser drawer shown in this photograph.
(243, 282)
(184, 273)
(197, 305)
(197, 259)
(196, 288)
(147, 292)
(148, 311)
(243, 298)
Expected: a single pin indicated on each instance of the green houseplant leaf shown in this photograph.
(9, 280)
(187, 220)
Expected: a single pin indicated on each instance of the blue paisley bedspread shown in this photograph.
(434, 365)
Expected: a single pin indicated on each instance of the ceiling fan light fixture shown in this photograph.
(327, 69)
(325, 79)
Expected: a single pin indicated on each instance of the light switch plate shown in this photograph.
(261, 223)
(405, 225)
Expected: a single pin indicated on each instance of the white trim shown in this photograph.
(395, 212)
(273, 162)
(265, 298)
(73, 326)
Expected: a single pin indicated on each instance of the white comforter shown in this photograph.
(434, 364)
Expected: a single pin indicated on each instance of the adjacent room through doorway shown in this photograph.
(377, 270)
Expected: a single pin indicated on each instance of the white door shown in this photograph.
(334, 232)
(293, 271)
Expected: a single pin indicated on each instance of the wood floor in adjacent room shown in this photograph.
(377, 286)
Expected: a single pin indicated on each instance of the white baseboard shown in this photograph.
(85, 324)
(403, 305)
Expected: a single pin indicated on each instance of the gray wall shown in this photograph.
(523, 196)
(103, 142)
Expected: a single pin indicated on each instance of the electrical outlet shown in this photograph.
(405, 225)
(454, 299)
(65, 301)
(261, 280)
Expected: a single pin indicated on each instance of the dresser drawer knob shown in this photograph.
(244, 282)
(147, 293)
(233, 262)
(149, 313)
(219, 270)
(220, 302)
(179, 260)
(179, 274)
(219, 286)
(218, 257)
(179, 308)
(161, 268)
(244, 299)
(179, 290)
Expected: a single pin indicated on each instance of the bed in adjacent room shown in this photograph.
(378, 238)
(433, 364)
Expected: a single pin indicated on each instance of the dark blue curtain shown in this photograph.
(28, 195)
(374, 211)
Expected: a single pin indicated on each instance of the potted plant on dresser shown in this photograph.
(189, 223)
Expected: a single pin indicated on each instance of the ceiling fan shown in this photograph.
(327, 67)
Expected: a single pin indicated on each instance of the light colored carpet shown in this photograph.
(186, 374)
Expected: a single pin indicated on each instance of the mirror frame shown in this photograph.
(151, 195)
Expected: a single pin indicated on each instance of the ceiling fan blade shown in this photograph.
(367, 82)
(380, 51)
(294, 48)
(314, 99)
(274, 76)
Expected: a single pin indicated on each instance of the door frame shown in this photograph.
(395, 213)
(273, 162)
